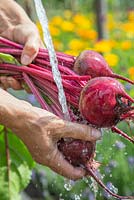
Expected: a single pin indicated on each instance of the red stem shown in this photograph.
(70, 98)
(36, 92)
(92, 173)
(121, 78)
(41, 74)
(116, 130)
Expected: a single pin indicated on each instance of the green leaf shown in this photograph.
(7, 58)
(15, 169)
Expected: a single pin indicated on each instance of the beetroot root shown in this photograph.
(92, 63)
(81, 154)
(103, 101)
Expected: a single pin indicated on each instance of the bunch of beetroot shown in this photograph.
(93, 96)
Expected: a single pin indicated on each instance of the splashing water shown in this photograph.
(41, 13)
(67, 186)
(77, 197)
(94, 187)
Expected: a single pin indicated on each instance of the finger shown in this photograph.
(10, 82)
(4, 83)
(13, 83)
(79, 131)
(31, 49)
(63, 167)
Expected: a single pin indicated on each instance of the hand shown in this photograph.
(16, 26)
(9, 82)
(40, 131)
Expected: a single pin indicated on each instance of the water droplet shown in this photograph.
(77, 197)
(84, 150)
(94, 186)
(85, 180)
(67, 186)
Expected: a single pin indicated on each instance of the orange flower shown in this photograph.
(125, 45)
(87, 34)
(131, 72)
(54, 31)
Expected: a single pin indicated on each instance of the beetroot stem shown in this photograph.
(62, 68)
(116, 130)
(10, 43)
(35, 92)
(121, 78)
(92, 173)
(41, 74)
(71, 98)
(54, 106)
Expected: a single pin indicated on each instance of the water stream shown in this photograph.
(41, 13)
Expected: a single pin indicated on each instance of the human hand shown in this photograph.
(16, 26)
(40, 131)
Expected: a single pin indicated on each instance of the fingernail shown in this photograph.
(25, 60)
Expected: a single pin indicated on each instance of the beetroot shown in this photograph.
(81, 154)
(103, 101)
(83, 151)
(92, 63)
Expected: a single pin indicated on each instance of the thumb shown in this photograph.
(30, 49)
(79, 131)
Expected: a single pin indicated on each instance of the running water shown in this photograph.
(41, 13)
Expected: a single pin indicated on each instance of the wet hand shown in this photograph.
(42, 130)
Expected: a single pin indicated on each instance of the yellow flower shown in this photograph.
(39, 29)
(82, 21)
(72, 52)
(67, 14)
(103, 46)
(76, 44)
(131, 16)
(67, 26)
(58, 45)
(131, 72)
(128, 27)
(111, 59)
(56, 21)
(87, 34)
(54, 31)
(125, 45)
(111, 24)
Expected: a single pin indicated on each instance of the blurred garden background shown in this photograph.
(106, 26)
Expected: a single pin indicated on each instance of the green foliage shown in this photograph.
(15, 165)
(7, 58)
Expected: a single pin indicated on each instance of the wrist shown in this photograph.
(12, 110)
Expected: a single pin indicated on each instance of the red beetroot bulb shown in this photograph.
(103, 101)
(92, 63)
(77, 152)
(81, 154)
